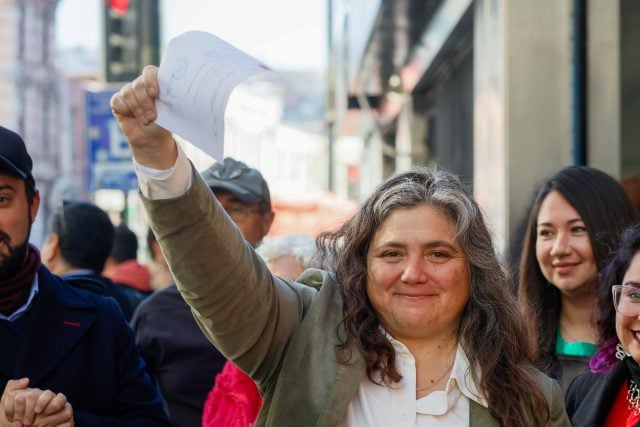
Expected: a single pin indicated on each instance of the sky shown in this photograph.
(285, 34)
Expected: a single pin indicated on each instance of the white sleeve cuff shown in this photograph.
(159, 184)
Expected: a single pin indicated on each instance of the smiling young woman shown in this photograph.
(577, 217)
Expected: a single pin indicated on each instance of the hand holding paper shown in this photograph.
(197, 74)
(134, 107)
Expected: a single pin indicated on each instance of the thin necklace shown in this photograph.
(633, 397)
(436, 381)
(564, 333)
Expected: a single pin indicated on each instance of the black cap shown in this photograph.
(233, 176)
(14, 157)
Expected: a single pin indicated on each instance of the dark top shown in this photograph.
(78, 343)
(182, 361)
(127, 297)
(591, 396)
(570, 367)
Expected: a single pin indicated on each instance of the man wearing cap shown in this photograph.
(244, 194)
(178, 355)
(68, 356)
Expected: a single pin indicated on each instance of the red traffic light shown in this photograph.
(119, 6)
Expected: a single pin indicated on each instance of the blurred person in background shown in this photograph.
(68, 356)
(609, 395)
(77, 248)
(161, 277)
(178, 355)
(122, 265)
(235, 400)
(576, 220)
(289, 255)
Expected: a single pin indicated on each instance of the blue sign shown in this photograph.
(109, 157)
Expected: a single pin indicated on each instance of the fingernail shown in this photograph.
(152, 91)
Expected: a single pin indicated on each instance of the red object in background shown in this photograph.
(119, 6)
(353, 173)
(309, 214)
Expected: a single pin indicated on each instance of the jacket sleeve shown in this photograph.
(557, 413)
(137, 402)
(245, 311)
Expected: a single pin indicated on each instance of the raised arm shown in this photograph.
(245, 311)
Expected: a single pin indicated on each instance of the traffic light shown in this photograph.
(131, 38)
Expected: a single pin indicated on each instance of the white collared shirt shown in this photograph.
(396, 404)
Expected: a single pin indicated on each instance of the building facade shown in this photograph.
(29, 87)
(500, 92)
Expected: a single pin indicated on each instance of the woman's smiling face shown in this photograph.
(628, 327)
(563, 246)
(418, 279)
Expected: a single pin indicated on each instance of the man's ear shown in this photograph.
(35, 205)
(267, 220)
(51, 249)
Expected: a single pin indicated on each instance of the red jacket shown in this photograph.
(234, 400)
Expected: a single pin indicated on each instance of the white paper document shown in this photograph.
(197, 74)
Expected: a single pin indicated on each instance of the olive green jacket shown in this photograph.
(281, 332)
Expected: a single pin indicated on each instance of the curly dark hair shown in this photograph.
(606, 211)
(611, 275)
(491, 318)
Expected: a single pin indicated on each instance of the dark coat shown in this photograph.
(178, 355)
(75, 342)
(126, 297)
(590, 396)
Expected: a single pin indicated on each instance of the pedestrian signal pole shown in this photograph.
(131, 38)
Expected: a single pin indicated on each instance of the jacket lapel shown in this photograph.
(594, 407)
(8, 355)
(60, 317)
(479, 416)
(348, 380)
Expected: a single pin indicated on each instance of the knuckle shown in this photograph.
(114, 100)
(137, 84)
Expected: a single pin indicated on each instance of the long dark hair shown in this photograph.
(491, 319)
(606, 211)
(611, 275)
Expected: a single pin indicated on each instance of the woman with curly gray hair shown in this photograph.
(422, 286)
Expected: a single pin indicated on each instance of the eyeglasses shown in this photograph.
(239, 212)
(626, 299)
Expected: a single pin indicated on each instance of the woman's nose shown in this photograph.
(415, 270)
(560, 245)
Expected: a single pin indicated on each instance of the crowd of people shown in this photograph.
(404, 315)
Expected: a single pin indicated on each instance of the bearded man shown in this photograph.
(68, 356)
